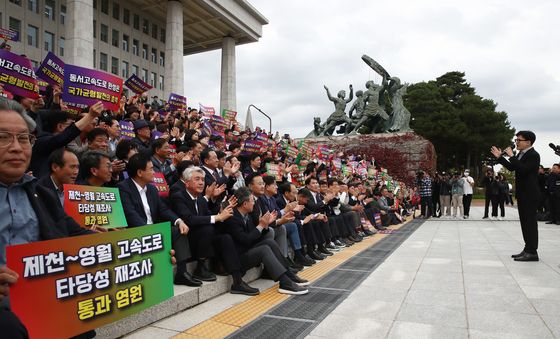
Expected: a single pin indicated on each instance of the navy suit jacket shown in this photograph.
(209, 179)
(184, 206)
(134, 209)
(245, 235)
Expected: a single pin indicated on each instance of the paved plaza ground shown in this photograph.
(447, 279)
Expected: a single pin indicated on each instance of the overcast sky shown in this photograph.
(508, 49)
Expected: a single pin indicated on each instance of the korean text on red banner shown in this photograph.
(70, 286)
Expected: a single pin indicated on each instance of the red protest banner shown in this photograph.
(161, 185)
(69, 286)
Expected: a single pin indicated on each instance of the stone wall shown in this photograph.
(401, 153)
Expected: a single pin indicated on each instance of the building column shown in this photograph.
(228, 97)
(78, 33)
(174, 48)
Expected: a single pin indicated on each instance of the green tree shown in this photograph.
(461, 124)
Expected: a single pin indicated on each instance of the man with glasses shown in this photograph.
(526, 166)
(28, 212)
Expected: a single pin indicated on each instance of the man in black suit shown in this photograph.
(318, 204)
(143, 206)
(254, 248)
(188, 202)
(209, 164)
(58, 131)
(526, 166)
(64, 167)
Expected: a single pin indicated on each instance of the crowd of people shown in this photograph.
(228, 212)
(449, 195)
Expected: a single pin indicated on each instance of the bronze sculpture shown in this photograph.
(367, 113)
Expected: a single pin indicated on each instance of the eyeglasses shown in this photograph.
(24, 139)
(519, 140)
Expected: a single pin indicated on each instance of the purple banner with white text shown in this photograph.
(52, 70)
(177, 101)
(17, 75)
(84, 87)
(137, 85)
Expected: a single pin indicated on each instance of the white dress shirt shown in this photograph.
(144, 198)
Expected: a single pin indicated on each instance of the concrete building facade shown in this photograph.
(144, 37)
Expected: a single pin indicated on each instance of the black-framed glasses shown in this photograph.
(24, 139)
(519, 140)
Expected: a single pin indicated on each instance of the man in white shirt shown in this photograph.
(468, 185)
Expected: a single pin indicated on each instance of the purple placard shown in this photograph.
(251, 146)
(9, 34)
(219, 123)
(137, 85)
(262, 137)
(157, 135)
(52, 70)
(206, 110)
(206, 127)
(127, 129)
(84, 87)
(177, 101)
(17, 75)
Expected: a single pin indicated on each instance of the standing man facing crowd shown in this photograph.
(526, 167)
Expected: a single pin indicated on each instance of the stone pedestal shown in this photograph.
(401, 153)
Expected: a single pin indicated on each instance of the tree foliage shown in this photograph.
(461, 124)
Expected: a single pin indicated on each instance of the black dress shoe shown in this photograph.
(244, 288)
(368, 233)
(520, 254)
(527, 257)
(294, 265)
(304, 260)
(186, 279)
(324, 251)
(313, 254)
(347, 242)
(202, 271)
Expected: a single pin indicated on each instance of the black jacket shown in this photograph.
(54, 223)
(47, 143)
(245, 236)
(526, 174)
(134, 209)
(182, 204)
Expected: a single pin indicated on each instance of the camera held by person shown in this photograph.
(555, 148)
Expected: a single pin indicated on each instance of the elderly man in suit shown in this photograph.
(188, 202)
(29, 212)
(143, 206)
(526, 166)
(255, 248)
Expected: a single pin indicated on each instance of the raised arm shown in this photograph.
(351, 96)
(329, 94)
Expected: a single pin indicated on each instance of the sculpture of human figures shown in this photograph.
(400, 121)
(373, 111)
(338, 116)
(358, 107)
